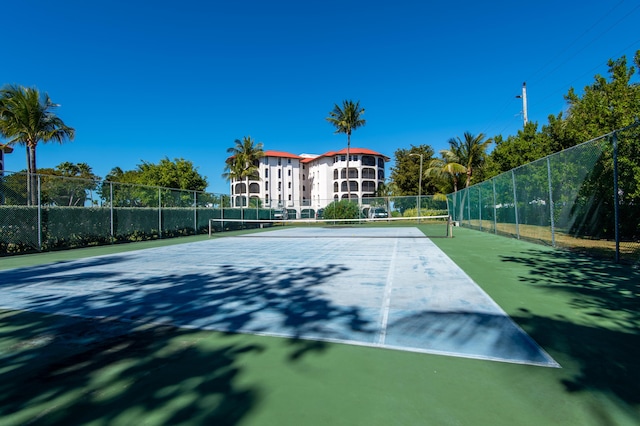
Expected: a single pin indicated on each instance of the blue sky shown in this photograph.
(144, 80)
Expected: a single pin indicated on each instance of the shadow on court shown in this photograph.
(600, 333)
(75, 371)
(109, 369)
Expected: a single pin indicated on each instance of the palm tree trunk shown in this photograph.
(34, 178)
(28, 151)
(348, 155)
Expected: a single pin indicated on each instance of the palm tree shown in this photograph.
(471, 152)
(345, 120)
(26, 118)
(448, 164)
(243, 162)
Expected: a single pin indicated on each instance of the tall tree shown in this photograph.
(27, 118)
(471, 152)
(244, 162)
(346, 119)
(405, 174)
(447, 165)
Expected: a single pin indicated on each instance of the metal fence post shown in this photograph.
(495, 209)
(616, 196)
(480, 207)
(515, 203)
(195, 213)
(111, 209)
(553, 223)
(39, 214)
(159, 213)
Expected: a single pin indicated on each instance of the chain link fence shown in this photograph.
(586, 198)
(42, 213)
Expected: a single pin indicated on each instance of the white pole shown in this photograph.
(525, 117)
(524, 103)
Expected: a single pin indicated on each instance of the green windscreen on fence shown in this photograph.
(567, 199)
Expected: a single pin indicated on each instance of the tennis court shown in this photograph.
(135, 339)
(384, 287)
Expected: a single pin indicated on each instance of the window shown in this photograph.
(304, 188)
(381, 162)
(266, 185)
(353, 173)
(353, 158)
(288, 160)
(304, 177)
(368, 186)
(368, 173)
(266, 198)
(343, 158)
(380, 174)
(368, 160)
(289, 197)
(279, 173)
(335, 174)
(279, 186)
(266, 173)
(279, 161)
(335, 186)
(289, 172)
(343, 187)
(289, 186)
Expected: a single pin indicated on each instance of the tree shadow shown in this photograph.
(600, 332)
(114, 351)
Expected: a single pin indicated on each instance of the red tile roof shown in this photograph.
(343, 151)
(281, 154)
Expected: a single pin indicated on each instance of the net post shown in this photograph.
(449, 227)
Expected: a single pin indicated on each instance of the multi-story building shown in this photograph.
(4, 149)
(313, 181)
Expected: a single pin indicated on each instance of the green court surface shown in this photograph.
(583, 312)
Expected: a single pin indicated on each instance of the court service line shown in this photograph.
(386, 301)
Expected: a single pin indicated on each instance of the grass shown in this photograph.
(584, 312)
(629, 250)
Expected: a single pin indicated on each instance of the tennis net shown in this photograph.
(428, 226)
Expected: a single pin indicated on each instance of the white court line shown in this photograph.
(386, 301)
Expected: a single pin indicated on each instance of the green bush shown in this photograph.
(343, 209)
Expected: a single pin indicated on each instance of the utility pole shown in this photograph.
(524, 102)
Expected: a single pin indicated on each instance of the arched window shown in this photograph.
(335, 186)
(353, 173)
(368, 173)
(368, 160)
(343, 173)
(353, 185)
(380, 174)
(368, 186)
(335, 174)
(254, 188)
(343, 186)
(381, 162)
(241, 188)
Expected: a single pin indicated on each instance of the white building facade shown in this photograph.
(299, 182)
